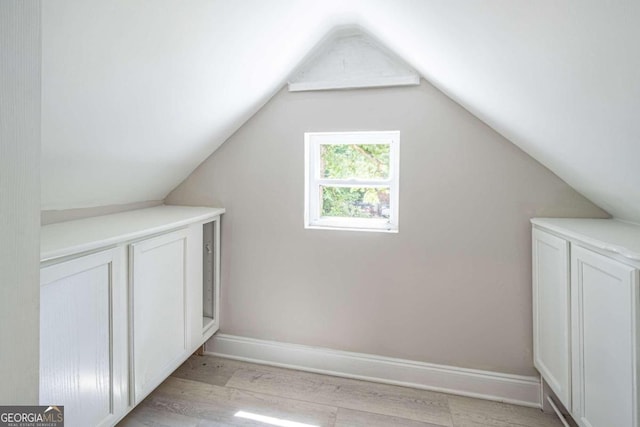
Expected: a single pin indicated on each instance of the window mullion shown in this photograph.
(354, 182)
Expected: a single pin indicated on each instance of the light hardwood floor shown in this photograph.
(210, 391)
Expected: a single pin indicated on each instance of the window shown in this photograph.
(352, 180)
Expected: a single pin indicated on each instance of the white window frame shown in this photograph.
(313, 181)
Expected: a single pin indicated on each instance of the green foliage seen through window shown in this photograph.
(355, 161)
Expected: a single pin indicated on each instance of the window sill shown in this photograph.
(337, 228)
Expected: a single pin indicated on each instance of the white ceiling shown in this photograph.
(136, 93)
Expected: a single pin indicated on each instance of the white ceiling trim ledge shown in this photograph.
(350, 58)
(362, 83)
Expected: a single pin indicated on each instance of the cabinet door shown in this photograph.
(604, 295)
(159, 295)
(551, 313)
(83, 338)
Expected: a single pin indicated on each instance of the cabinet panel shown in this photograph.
(203, 274)
(159, 292)
(83, 337)
(551, 313)
(211, 277)
(604, 302)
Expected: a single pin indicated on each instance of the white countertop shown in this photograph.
(72, 237)
(611, 235)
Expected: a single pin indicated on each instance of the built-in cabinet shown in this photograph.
(551, 313)
(83, 338)
(604, 295)
(585, 312)
(125, 299)
(159, 308)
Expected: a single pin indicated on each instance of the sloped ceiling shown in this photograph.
(136, 93)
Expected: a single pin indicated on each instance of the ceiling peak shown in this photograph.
(349, 58)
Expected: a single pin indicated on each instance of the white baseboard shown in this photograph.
(516, 389)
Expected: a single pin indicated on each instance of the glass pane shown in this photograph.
(355, 202)
(345, 161)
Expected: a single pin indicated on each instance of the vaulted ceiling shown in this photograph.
(136, 93)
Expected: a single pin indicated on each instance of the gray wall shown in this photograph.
(19, 200)
(452, 287)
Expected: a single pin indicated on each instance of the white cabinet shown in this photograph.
(551, 313)
(83, 338)
(125, 299)
(604, 294)
(591, 363)
(158, 296)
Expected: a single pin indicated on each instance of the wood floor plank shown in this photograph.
(209, 369)
(143, 415)
(208, 391)
(469, 412)
(215, 405)
(403, 402)
(352, 418)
